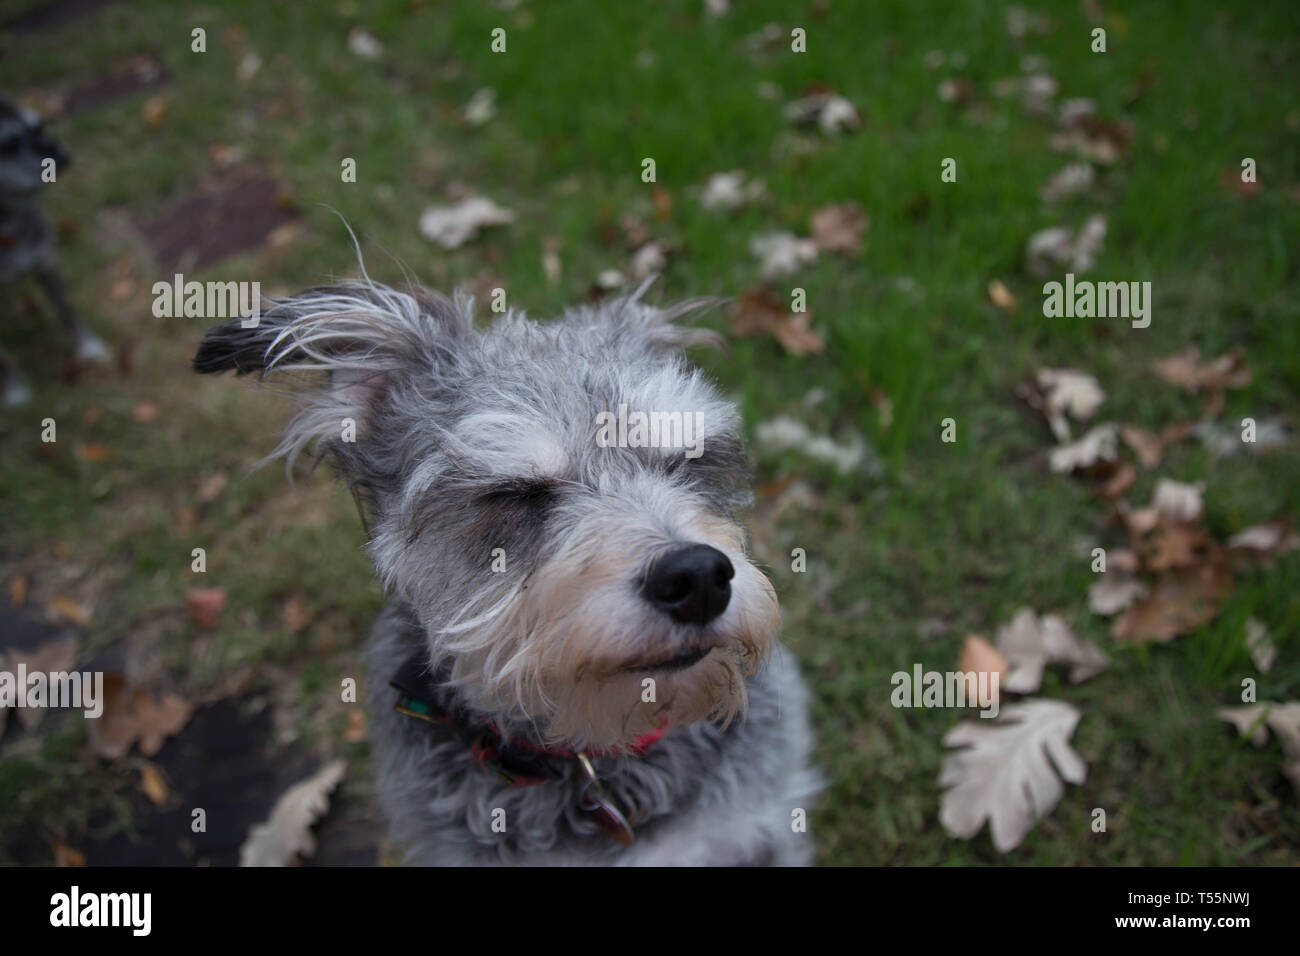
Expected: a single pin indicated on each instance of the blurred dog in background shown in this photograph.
(27, 156)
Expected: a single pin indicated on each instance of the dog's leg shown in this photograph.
(14, 392)
(90, 347)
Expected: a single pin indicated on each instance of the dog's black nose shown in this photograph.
(692, 585)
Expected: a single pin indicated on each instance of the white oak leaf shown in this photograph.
(1009, 772)
(286, 835)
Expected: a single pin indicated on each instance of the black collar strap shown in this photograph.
(518, 765)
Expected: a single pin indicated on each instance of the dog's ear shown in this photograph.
(365, 338)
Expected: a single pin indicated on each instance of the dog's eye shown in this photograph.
(526, 492)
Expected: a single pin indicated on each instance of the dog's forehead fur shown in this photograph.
(527, 399)
(522, 401)
(436, 396)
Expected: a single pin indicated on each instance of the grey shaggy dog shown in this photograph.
(593, 659)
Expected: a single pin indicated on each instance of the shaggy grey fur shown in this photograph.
(475, 446)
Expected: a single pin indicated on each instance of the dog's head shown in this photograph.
(24, 149)
(557, 501)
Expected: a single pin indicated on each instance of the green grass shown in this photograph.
(949, 539)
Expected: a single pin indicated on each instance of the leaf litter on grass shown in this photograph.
(1172, 578)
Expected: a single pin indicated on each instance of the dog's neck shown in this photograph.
(429, 686)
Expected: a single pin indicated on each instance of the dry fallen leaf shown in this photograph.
(1001, 296)
(884, 406)
(1094, 138)
(65, 610)
(285, 234)
(286, 835)
(978, 656)
(758, 311)
(1062, 646)
(730, 191)
(1113, 592)
(1072, 179)
(94, 452)
(1059, 249)
(955, 89)
(797, 337)
(364, 44)
(481, 107)
(144, 412)
(155, 111)
(1030, 642)
(1266, 540)
(1021, 644)
(159, 719)
(551, 263)
(762, 311)
(356, 729)
(225, 156)
(1178, 603)
(1185, 370)
(1146, 445)
(1178, 500)
(186, 518)
(1284, 721)
(153, 784)
(1098, 445)
(1150, 446)
(295, 614)
(1224, 442)
(831, 112)
(452, 226)
(1138, 521)
(1248, 720)
(1067, 392)
(662, 201)
(782, 253)
(608, 279)
(1255, 720)
(649, 259)
(205, 606)
(19, 585)
(1176, 544)
(787, 434)
(1009, 771)
(1123, 560)
(1262, 650)
(211, 487)
(1121, 478)
(132, 714)
(839, 228)
(65, 855)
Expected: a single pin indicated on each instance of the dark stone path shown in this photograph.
(212, 223)
(54, 15)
